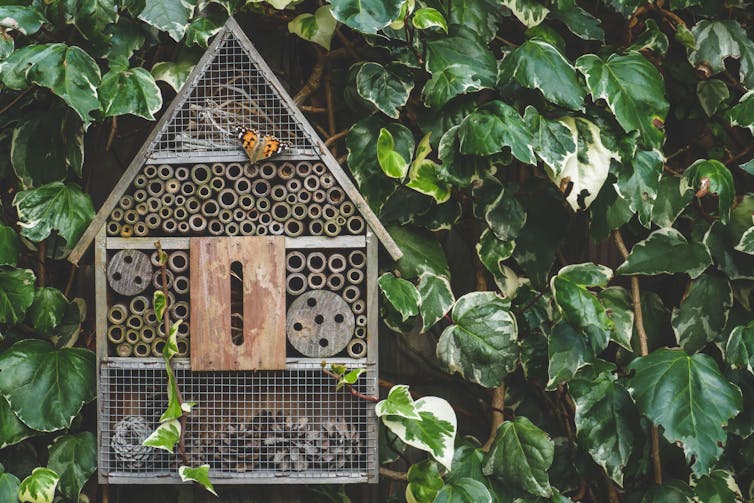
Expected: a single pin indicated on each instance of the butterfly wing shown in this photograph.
(259, 147)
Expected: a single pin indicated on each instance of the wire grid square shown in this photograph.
(247, 426)
(232, 91)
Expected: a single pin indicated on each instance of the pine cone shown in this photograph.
(129, 433)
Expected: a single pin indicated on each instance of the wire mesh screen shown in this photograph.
(231, 92)
(247, 426)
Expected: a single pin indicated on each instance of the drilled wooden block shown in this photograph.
(129, 272)
(319, 324)
(262, 259)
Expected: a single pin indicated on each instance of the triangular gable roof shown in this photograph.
(169, 139)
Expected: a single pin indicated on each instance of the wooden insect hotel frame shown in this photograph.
(300, 243)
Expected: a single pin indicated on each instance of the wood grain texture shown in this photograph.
(319, 324)
(129, 272)
(263, 262)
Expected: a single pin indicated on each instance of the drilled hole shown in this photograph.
(339, 318)
(324, 343)
(297, 326)
(311, 302)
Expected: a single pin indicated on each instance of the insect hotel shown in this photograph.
(271, 266)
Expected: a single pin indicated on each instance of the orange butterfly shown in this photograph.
(259, 147)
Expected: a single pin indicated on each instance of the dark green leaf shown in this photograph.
(698, 321)
(12, 430)
(22, 18)
(652, 39)
(16, 294)
(202, 29)
(618, 305)
(718, 486)
(464, 490)
(577, 20)
(742, 114)
(366, 16)
(739, 350)
(126, 36)
(494, 126)
(639, 183)
(670, 201)
(666, 251)
(74, 458)
(482, 16)
(424, 482)
(171, 16)
(10, 246)
(420, 253)
(673, 491)
(47, 310)
(568, 351)
(553, 140)
(8, 486)
(132, 91)
(721, 39)
(712, 94)
(198, 474)
(711, 176)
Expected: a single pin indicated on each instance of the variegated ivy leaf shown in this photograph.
(401, 294)
(670, 201)
(710, 176)
(39, 487)
(436, 298)
(392, 162)
(494, 126)
(434, 433)
(492, 251)
(742, 115)
(165, 436)
(718, 40)
(481, 345)
(617, 302)
(746, 244)
(719, 485)
(427, 17)
(159, 302)
(423, 178)
(666, 251)
(198, 474)
(580, 306)
(366, 16)
(424, 481)
(739, 350)
(529, 12)
(171, 344)
(398, 403)
(583, 171)
(130, 91)
(349, 378)
(26, 19)
(712, 93)
(553, 140)
(171, 16)
(639, 183)
(318, 27)
(652, 38)
(697, 321)
(386, 87)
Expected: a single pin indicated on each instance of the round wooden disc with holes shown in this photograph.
(319, 324)
(129, 272)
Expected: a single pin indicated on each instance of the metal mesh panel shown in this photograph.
(248, 426)
(231, 92)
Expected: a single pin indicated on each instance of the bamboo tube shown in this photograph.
(303, 168)
(260, 187)
(139, 304)
(113, 229)
(180, 309)
(335, 281)
(169, 225)
(217, 183)
(326, 181)
(281, 211)
(147, 334)
(172, 186)
(178, 261)
(316, 227)
(180, 213)
(291, 198)
(130, 217)
(197, 223)
(183, 328)
(335, 195)
(315, 211)
(263, 204)
(183, 346)
(361, 320)
(182, 173)
(150, 318)
(336, 262)
(140, 181)
(357, 259)
(299, 211)
(167, 199)
(157, 279)
(253, 214)
(215, 227)
(293, 185)
(319, 169)
(181, 285)
(265, 218)
(276, 228)
(360, 332)
(155, 188)
(234, 171)
(126, 231)
(246, 202)
(250, 170)
(124, 350)
(355, 224)
(142, 349)
(154, 204)
(278, 193)
(140, 229)
(201, 174)
(295, 261)
(340, 220)
(347, 208)
(248, 228)
(204, 192)
(188, 188)
(157, 346)
(134, 321)
(262, 230)
(183, 227)
(303, 196)
(132, 336)
(239, 215)
(224, 216)
(232, 229)
(311, 183)
(294, 228)
(179, 200)
(116, 334)
(193, 205)
(355, 276)
(332, 228)
(154, 259)
(218, 169)
(165, 212)
(142, 209)
(242, 186)
(227, 198)
(150, 171)
(268, 170)
(316, 262)
(286, 171)
(351, 293)
(126, 202)
(358, 306)
(141, 195)
(316, 280)
(165, 171)
(329, 212)
(295, 283)
(357, 348)
(152, 221)
(116, 214)
(210, 208)
(319, 196)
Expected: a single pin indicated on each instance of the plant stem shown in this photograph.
(354, 391)
(393, 475)
(644, 348)
(497, 404)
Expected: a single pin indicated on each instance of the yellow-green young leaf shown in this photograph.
(529, 12)
(16, 294)
(711, 177)
(165, 436)
(171, 16)
(401, 294)
(423, 178)
(366, 16)
(481, 345)
(74, 457)
(666, 251)
(423, 149)
(318, 27)
(742, 115)
(746, 244)
(198, 474)
(424, 482)
(697, 321)
(702, 401)
(131, 91)
(387, 88)
(25, 19)
(392, 163)
(436, 298)
(159, 301)
(171, 344)
(633, 89)
(718, 40)
(349, 378)
(521, 455)
(427, 17)
(39, 487)
(398, 403)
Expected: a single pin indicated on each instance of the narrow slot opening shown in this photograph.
(236, 302)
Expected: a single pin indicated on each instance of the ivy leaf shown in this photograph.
(401, 294)
(690, 399)
(719, 485)
(711, 176)
(388, 88)
(553, 140)
(505, 216)
(392, 163)
(67, 71)
(10, 246)
(366, 16)
(521, 455)
(199, 474)
(639, 184)
(606, 423)
(8, 486)
(617, 302)
(748, 167)
(421, 253)
(74, 458)
(398, 403)
(126, 37)
(174, 74)
(536, 64)
(92, 17)
(482, 16)
(133, 91)
(712, 93)
(202, 29)
(54, 206)
(464, 490)
(739, 350)
(159, 301)
(567, 351)
(67, 332)
(529, 12)
(26, 20)
(697, 321)
(39, 487)
(434, 433)
(673, 491)
(436, 298)
(493, 251)
(171, 16)
(718, 40)
(16, 294)
(12, 430)
(580, 306)
(494, 126)
(577, 20)
(634, 91)
(746, 245)
(423, 177)
(652, 39)
(47, 310)
(670, 201)
(666, 251)
(427, 17)
(742, 114)
(165, 436)
(31, 379)
(318, 27)
(424, 482)
(625, 7)
(481, 345)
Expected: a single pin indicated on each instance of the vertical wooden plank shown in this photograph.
(372, 349)
(263, 262)
(100, 328)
